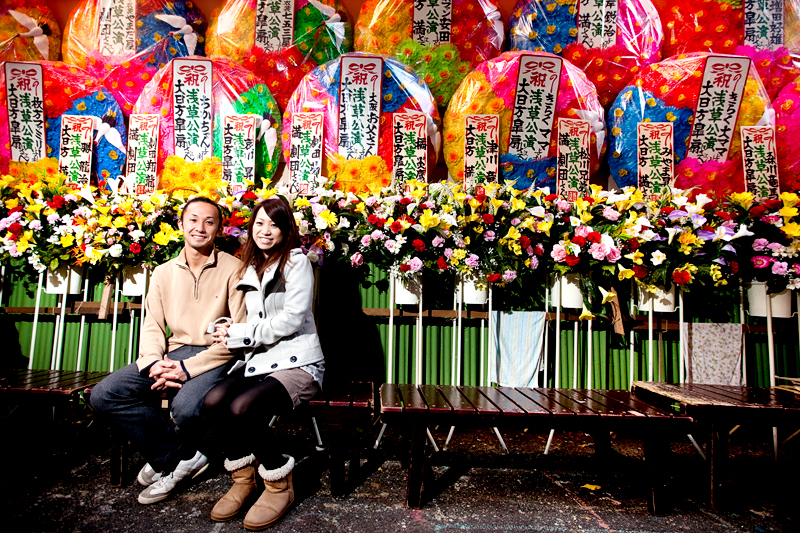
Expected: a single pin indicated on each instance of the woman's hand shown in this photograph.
(220, 334)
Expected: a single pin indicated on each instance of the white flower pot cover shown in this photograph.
(472, 294)
(568, 287)
(406, 293)
(663, 302)
(133, 281)
(56, 280)
(781, 301)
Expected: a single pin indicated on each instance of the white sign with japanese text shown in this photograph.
(360, 84)
(274, 24)
(25, 104)
(117, 31)
(764, 24)
(433, 20)
(239, 150)
(481, 149)
(760, 160)
(192, 109)
(534, 106)
(142, 162)
(574, 159)
(305, 157)
(656, 158)
(410, 147)
(75, 159)
(597, 23)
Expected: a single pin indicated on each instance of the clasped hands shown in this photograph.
(168, 374)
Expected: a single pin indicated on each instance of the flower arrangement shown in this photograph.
(707, 26)
(476, 35)
(491, 89)
(552, 26)
(28, 15)
(668, 92)
(402, 91)
(71, 91)
(787, 131)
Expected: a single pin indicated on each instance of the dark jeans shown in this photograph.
(126, 397)
(240, 409)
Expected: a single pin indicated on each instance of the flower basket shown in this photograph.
(663, 301)
(407, 292)
(56, 280)
(471, 293)
(568, 288)
(757, 300)
(134, 281)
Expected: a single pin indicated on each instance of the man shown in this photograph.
(186, 294)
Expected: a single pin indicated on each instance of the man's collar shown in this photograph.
(212, 259)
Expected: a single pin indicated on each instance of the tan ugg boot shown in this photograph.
(278, 496)
(243, 472)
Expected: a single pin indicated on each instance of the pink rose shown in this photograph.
(509, 276)
(598, 251)
(357, 259)
(365, 240)
(611, 214)
(583, 231)
(780, 268)
(489, 236)
(558, 253)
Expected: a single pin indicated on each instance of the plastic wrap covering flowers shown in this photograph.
(491, 89)
(69, 90)
(787, 129)
(669, 91)
(235, 90)
(253, 33)
(441, 55)
(105, 33)
(608, 60)
(28, 32)
(768, 32)
(402, 91)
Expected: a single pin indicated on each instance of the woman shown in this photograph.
(283, 365)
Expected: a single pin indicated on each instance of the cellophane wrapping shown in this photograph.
(386, 27)
(322, 32)
(668, 92)
(719, 26)
(551, 26)
(177, 26)
(235, 90)
(491, 89)
(402, 91)
(787, 126)
(21, 17)
(69, 90)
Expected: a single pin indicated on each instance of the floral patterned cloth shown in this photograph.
(518, 339)
(715, 353)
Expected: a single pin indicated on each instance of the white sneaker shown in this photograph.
(163, 488)
(147, 476)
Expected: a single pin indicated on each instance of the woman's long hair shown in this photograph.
(281, 214)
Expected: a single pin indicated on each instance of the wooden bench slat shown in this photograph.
(436, 402)
(37, 381)
(72, 384)
(412, 399)
(507, 407)
(568, 403)
(391, 402)
(362, 394)
(342, 398)
(635, 405)
(530, 407)
(481, 403)
(460, 405)
(538, 396)
(597, 403)
(769, 398)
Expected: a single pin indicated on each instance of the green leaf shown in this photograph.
(53, 264)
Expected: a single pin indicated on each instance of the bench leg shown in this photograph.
(656, 453)
(117, 459)
(416, 466)
(718, 464)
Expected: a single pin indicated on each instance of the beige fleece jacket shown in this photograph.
(185, 304)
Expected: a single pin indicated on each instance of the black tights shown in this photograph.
(240, 409)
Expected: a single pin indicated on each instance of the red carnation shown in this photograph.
(681, 277)
(734, 267)
(418, 245)
(442, 263)
(405, 200)
(380, 222)
(588, 199)
(404, 268)
(667, 210)
(772, 205)
(372, 219)
(634, 244)
(480, 193)
(135, 248)
(580, 241)
(724, 215)
(396, 226)
(573, 260)
(56, 203)
(488, 218)
(594, 237)
(550, 197)
(524, 241)
(15, 228)
(16, 210)
(249, 195)
(758, 211)
(639, 271)
(493, 278)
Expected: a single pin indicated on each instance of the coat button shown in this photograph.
(260, 314)
(251, 369)
(293, 359)
(247, 342)
(274, 365)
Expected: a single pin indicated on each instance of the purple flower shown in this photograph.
(761, 261)
(509, 276)
(471, 261)
(705, 235)
(437, 242)
(698, 220)
(678, 213)
(780, 268)
(760, 244)
(489, 236)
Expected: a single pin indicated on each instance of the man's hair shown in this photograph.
(205, 201)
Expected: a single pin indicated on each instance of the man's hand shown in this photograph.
(168, 374)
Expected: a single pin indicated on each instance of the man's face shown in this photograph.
(200, 225)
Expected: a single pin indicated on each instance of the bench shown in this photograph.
(597, 412)
(46, 386)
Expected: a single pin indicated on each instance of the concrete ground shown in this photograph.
(56, 480)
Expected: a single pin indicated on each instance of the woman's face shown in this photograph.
(266, 233)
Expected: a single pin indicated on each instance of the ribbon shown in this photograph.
(34, 30)
(596, 124)
(189, 35)
(334, 21)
